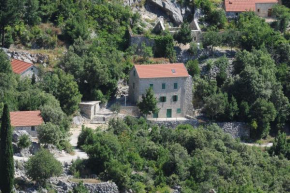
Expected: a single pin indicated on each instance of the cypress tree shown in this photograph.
(6, 153)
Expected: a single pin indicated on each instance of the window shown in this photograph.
(178, 110)
(175, 98)
(133, 85)
(163, 85)
(151, 86)
(134, 73)
(258, 10)
(32, 69)
(32, 128)
(173, 70)
(155, 115)
(162, 99)
(175, 85)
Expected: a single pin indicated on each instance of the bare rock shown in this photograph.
(171, 8)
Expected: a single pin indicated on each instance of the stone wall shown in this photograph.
(188, 106)
(235, 129)
(262, 9)
(29, 130)
(139, 40)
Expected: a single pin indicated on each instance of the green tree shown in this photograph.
(165, 41)
(48, 133)
(68, 93)
(184, 34)
(232, 109)
(231, 38)
(31, 12)
(146, 52)
(47, 166)
(282, 14)
(24, 141)
(215, 105)
(6, 153)
(76, 26)
(10, 11)
(264, 112)
(148, 105)
(280, 145)
(211, 39)
(193, 68)
(217, 18)
(5, 66)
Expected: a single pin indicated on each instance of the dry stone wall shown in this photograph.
(235, 129)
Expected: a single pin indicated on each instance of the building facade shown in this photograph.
(26, 120)
(172, 86)
(262, 8)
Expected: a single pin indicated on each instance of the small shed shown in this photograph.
(89, 108)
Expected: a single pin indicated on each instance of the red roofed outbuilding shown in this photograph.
(172, 86)
(24, 69)
(26, 120)
(262, 8)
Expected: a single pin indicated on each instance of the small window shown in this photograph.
(133, 85)
(178, 110)
(32, 69)
(173, 70)
(175, 98)
(155, 115)
(134, 73)
(258, 10)
(162, 99)
(175, 85)
(163, 85)
(151, 86)
(32, 128)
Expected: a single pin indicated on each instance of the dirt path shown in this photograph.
(259, 145)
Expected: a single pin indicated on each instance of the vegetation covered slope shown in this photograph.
(147, 158)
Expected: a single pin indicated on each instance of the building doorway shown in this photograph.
(169, 113)
(269, 12)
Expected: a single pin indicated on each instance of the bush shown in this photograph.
(193, 68)
(42, 166)
(80, 188)
(116, 107)
(24, 141)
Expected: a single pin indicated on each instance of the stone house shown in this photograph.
(26, 120)
(172, 86)
(24, 69)
(262, 8)
(90, 108)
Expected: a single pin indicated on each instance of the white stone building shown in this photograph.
(26, 120)
(262, 8)
(172, 86)
(89, 108)
(24, 69)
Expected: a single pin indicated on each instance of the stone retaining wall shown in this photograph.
(235, 129)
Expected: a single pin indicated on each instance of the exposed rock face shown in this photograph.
(171, 8)
(27, 57)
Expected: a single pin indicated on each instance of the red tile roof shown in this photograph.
(19, 66)
(244, 5)
(25, 118)
(161, 70)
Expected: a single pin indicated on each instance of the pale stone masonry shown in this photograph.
(172, 86)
